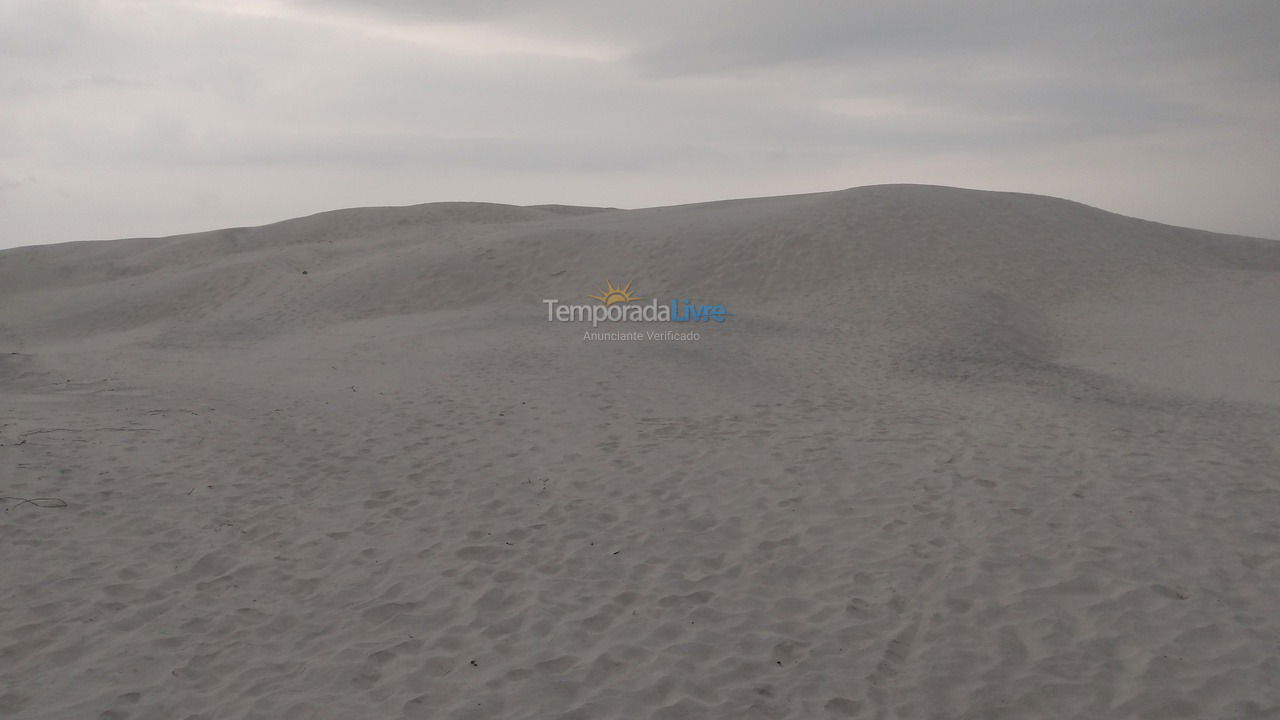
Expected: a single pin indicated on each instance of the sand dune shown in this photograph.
(956, 454)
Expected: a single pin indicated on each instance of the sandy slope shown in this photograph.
(957, 455)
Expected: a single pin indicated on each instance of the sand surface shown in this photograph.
(957, 454)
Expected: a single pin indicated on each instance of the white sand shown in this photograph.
(956, 455)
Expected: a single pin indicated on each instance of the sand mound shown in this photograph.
(955, 454)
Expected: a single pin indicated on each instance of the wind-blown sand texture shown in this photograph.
(957, 454)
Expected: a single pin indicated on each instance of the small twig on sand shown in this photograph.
(102, 429)
(40, 502)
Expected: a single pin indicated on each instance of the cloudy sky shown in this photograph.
(152, 117)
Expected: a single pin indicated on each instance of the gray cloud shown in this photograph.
(1088, 34)
(119, 108)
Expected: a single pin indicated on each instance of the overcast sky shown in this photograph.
(153, 117)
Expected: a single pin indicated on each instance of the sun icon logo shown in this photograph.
(620, 294)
